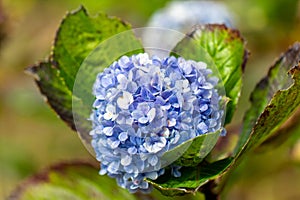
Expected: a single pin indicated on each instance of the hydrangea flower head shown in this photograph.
(145, 107)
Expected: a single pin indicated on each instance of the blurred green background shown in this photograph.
(32, 136)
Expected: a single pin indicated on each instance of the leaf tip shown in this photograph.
(295, 69)
(33, 71)
(81, 8)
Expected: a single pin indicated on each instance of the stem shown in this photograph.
(208, 191)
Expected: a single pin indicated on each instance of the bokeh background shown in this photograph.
(33, 137)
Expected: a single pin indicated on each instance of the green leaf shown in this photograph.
(281, 107)
(192, 178)
(52, 86)
(285, 133)
(273, 100)
(77, 180)
(192, 152)
(226, 48)
(279, 92)
(78, 36)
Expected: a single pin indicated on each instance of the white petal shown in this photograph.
(130, 75)
(123, 136)
(152, 175)
(126, 160)
(125, 100)
(162, 142)
(103, 171)
(128, 96)
(201, 65)
(178, 84)
(151, 114)
(143, 120)
(166, 133)
(144, 59)
(132, 150)
(172, 122)
(108, 131)
(202, 127)
(121, 78)
(107, 116)
(115, 144)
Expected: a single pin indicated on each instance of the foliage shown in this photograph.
(74, 180)
(274, 100)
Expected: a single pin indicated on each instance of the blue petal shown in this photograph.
(175, 171)
(136, 114)
(153, 160)
(166, 94)
(203, 107)
(143, 108)
(147, 95)
(156, 60)
(113, 167)
(202, 127)
(144, 185)
(124, 62)
(107, 80)
(132, 150)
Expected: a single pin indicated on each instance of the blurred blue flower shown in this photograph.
(145, 107)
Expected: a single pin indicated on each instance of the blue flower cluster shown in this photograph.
(145, 107)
